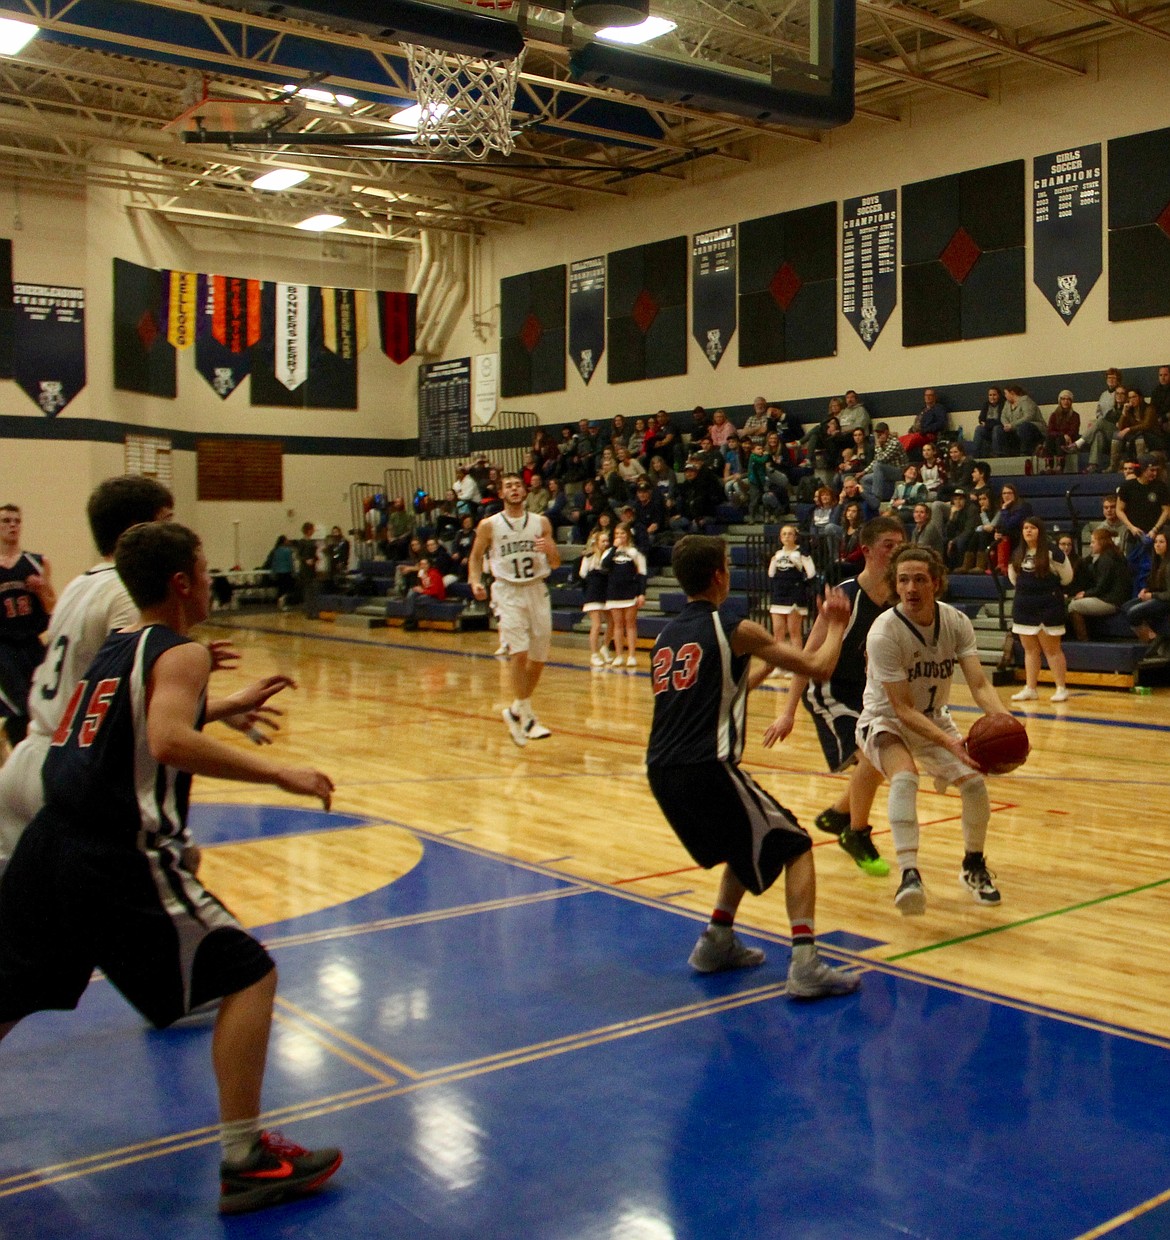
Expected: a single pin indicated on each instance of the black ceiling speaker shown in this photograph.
(603, 13)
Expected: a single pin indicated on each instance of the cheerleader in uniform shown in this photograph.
(1039, 574)
(625, 569)
(789, 573)
(594, 577)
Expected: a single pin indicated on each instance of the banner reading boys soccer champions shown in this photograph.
(869, 263)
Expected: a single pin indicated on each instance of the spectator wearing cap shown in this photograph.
(649, 510)
(698, 499)
(959, 533)
(886, 469)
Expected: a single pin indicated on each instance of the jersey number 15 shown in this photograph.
(95, 712)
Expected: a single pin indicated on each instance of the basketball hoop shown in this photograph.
(465, 102)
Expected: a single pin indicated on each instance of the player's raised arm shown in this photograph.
(177, 683)
(754, 639)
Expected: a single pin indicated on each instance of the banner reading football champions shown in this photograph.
(713, 290)
(587, 315)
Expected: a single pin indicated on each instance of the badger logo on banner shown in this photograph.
(713, 290)
(869, 263)
(227, 326)
(292, 334)
(49, 352)
(1066, 226)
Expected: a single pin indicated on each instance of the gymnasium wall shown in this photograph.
(1032, 112)
(50, 465)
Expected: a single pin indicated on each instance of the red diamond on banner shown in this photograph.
(531, 332)
(1163, 220)
(784, 286)
(960, 255)
(645, 311)
(147, 329)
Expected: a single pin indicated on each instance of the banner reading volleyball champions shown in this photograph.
(1066, 226)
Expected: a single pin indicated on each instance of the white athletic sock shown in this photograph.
(237, 1140)
(523, 709)
(517, 708)
(903, 814)
(976, 813)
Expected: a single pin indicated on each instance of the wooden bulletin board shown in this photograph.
(240, 469)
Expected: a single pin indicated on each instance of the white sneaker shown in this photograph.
(1061, 695)
(631, 662)
(535, 730)
(719, 948)
(597, 660)
(1025, 695)
(814, 979)
(515, 726)
(500, 652)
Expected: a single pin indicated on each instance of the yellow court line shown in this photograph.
(316, 1036)
(1126, 1216)
(420, 919)
(348, 1039)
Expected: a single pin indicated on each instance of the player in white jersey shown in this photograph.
(912, 652)
(521, 552)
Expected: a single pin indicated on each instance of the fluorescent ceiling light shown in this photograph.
(409, 118)
(321, 223)
(280, 178)
(14, 36)
(317, 95)
(651, 28)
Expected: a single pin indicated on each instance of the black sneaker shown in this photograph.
(976, 877)
(911, 895)
(860, 846)
(277, 1171)
(831, 821)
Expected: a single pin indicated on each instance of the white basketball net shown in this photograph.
(465, 101)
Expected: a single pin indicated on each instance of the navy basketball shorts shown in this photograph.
(722, 815)
(835, 710)
(71, 902)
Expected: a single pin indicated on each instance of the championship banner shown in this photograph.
(143, 359)
(444, 409)
(713, 290)
(343, 320)
(1066, 226)
(49, 344)
(397, 325)
(587, 315)
(869, 263)
(292, 334)
(227, 325)
(7, 321)
(179, 292)
(331, 380)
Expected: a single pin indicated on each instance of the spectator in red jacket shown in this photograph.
(430, 586)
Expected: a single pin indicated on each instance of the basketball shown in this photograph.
(998, 744)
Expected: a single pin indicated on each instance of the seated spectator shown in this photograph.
(404, 574)
(1109, 585)
(1068, 546)
(558, 501)
(924, 530)
(336, 556)
(568, 467)
(698, 499)
(828, 455)
(544, 447)
(637, 440)
(862, 443)
(618, 435)
(649, 511)
(735, 471)
(441, 561)
(529, 469)
(1137, 430)
(1022, 427)
(907, 493)
(1143, 503)
(854, 415)
(585, 448)
(428, 585)
(700, 422)
(959, 532)
(629, 469)
(851, 492)
(981, 482)
(1064, 429)
(984, 536)
(461, 547)
(663, 440)
(536, 501)
(489, 488)
(1149, 612)
(1113, 523)
(446, 516)
(852, 519)
(756, 425)
(466, 490)
(1098, 436)
(610, 481)
(885, 470)
(788, 426)
(933, 473)
(1010, 519)
(822, 522)
(584, 513)
(960, 471)
(927, 426)
(710, 455)
(399, 528)
(721, 428)
(1160, 400)
(776, 489)
(663, 478)
(989, 429)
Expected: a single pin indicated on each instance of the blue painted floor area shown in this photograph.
(551, 1069)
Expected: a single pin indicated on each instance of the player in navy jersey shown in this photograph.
(836, 704)
(699, 673)
(26, 601)
(104, 876)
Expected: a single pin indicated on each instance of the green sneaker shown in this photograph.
(860, 846)
(831, 821)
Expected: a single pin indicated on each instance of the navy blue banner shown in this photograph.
(143, 359)
(227, 325)
(713, 290)
(587, 315)
(331, 380)
(444, 409)
(49, 344)
(869, 262)
(1066, 226)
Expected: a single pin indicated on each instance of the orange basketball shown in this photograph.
(998, 744)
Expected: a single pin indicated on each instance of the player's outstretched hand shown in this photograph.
(259, 691)
(777, 731)
(305, 782)
(834, 606)
(253, 722)
(223, 654)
